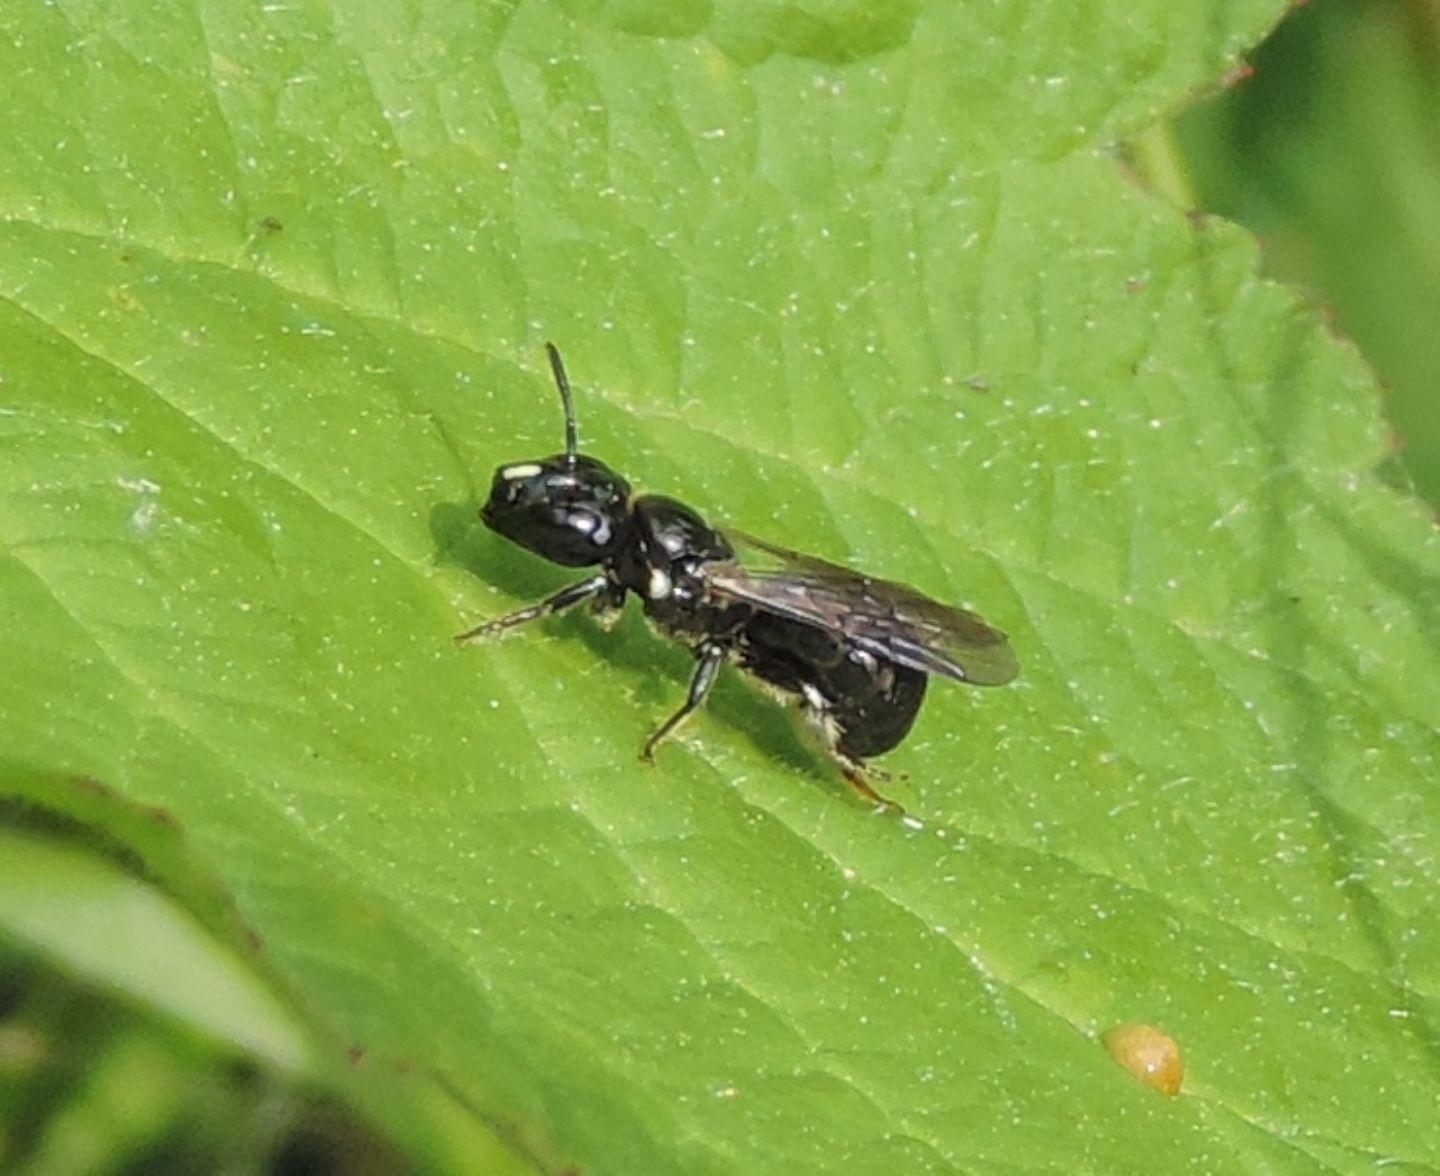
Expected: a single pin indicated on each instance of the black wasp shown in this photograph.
(854, 651)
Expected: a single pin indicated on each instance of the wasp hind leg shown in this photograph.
(821, 719)
(857, 774)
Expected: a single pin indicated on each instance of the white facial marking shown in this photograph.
(525, 470)
(660, 585)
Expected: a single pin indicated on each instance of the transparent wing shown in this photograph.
(883, 618)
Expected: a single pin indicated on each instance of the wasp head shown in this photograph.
(569, 508)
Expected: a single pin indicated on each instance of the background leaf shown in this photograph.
(275, 282)
(1339, 118)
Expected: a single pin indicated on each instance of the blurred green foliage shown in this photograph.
(1330, 152)
(134, 1040)
(92, 1084)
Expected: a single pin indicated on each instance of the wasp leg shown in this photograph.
(712, 657)
(608, 606)
(565, 598)
(857, 773)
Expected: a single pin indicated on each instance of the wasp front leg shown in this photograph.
(566, 598)
(608, 606)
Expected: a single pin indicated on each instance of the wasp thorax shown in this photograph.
(669, 531)
(570, 509)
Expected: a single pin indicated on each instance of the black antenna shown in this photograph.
(563, 383)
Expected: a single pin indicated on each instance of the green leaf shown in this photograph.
(1342, 111)
(91, 915)
(275, 281)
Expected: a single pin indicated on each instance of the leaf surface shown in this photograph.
(273, 283)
